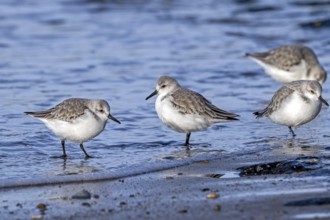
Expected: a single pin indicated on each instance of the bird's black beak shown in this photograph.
(152, 94)
(113, 119)
(322, 100)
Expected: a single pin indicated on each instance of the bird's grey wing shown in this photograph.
(276, 101)
(294, 85)
(67, 110)
(309, 56)
(285, 58)
(190, 102)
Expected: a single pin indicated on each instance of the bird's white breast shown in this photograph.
(177, 120)
(297, 72)
(80, 130)
(295, 111)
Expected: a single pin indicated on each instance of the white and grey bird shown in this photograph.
(295, 104)
(77, 120)
(290, 63)
(184, 110)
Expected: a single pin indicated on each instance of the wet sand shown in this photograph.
(299, 189)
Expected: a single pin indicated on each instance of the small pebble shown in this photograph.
(212, 196)
(36, 216)
(86, 204)
(205, 189)
(84, 194)
(217, 208)
(41, 206)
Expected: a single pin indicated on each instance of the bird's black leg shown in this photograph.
(187, 139)
(292, 132)
(83, 149)
(63, 148)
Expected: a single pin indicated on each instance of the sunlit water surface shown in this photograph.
(116, 50)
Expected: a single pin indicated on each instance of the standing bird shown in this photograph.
(76, 120)
(290, 63)
(295, 104)
(184, 110)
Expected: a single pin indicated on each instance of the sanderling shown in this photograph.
(184, 110)
(295, 104)
(76, 120)
(290, 63)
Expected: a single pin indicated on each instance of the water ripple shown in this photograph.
(116, 50)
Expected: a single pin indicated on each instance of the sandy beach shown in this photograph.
(216, 189)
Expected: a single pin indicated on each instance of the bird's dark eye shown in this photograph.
(163, 86)
(312, 91)
(101, 110)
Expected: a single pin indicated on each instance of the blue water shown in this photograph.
(116, 50)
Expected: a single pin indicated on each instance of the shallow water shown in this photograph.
(116, 50)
